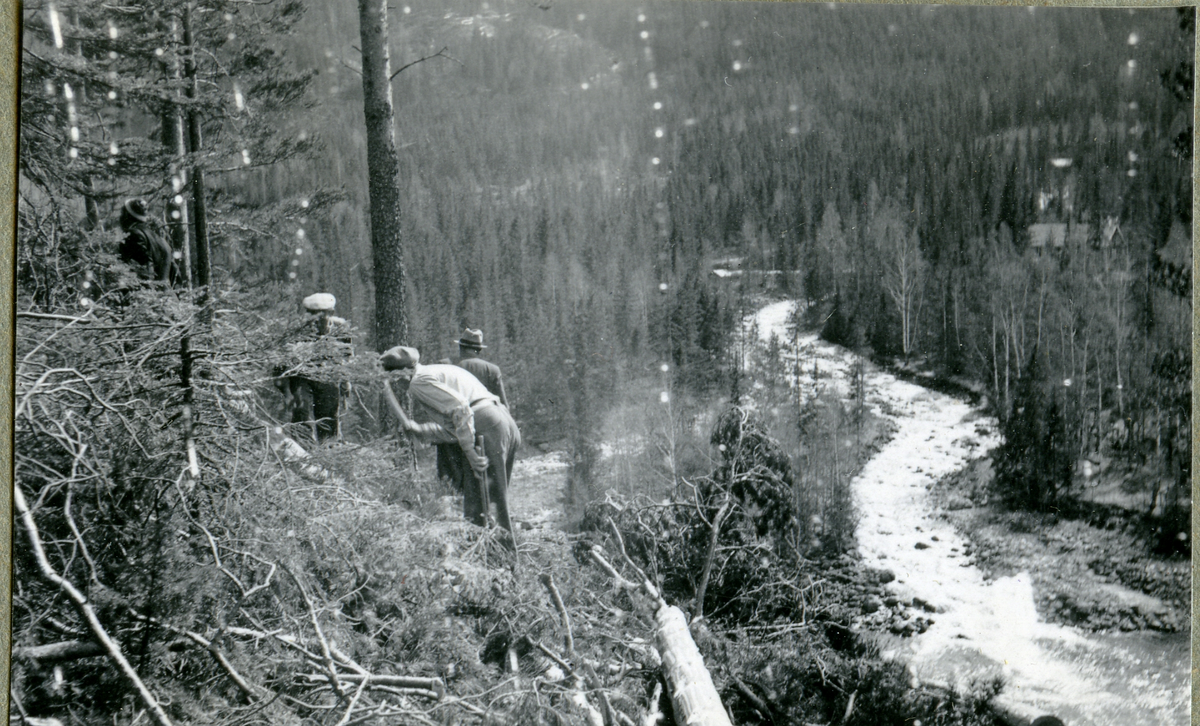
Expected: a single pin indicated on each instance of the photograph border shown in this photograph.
(10, 18)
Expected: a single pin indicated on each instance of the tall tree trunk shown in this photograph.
(176, 144)
(383, 177)
(90, 206)
(199, 210)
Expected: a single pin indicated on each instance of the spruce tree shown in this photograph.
(1033, 466)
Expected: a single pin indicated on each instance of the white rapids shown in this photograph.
(983, 628)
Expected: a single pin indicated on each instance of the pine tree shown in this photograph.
(100, 113)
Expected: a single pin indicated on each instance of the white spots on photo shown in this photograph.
(55, 27)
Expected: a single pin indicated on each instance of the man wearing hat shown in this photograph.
(456, 407)
(142, 247)
(315, 396)
(470, 345)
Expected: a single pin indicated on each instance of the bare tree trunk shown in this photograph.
(176, 143)
(383, 176)
(199, 210)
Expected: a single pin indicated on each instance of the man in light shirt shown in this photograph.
(451, 406)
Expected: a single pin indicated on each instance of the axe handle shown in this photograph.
(483, 483)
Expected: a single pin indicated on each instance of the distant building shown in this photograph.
(1057, 235)
(1110, 233)
(1043, 235)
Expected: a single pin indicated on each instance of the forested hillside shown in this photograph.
(890, 162)
(561, 164)
(994, 199)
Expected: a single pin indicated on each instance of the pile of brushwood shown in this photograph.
(776, 622)
(182, 556)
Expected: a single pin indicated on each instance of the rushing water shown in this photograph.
(984, 628)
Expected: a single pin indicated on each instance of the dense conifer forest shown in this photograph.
(997, 200)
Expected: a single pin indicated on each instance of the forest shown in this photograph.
(998, 200)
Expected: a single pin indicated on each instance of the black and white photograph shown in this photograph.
(601, 363)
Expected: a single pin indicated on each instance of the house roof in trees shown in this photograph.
(1047, 234)
(1059, 234)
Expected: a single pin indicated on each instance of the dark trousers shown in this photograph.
(323, 409)
(452, 465)
(501, 439)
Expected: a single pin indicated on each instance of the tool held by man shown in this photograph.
(482, 481)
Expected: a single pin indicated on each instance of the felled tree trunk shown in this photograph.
(692, 691)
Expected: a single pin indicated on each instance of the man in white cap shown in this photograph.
(315, 396)
(456, 407)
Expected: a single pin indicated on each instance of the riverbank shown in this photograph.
(1095, 570)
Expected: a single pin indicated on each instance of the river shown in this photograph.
(983, 627)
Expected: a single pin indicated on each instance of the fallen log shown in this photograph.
(58, 652)
(432, 688)
(693, 693)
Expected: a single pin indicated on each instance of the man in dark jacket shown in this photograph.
(450, 461)
(143, 248)
(470, 345)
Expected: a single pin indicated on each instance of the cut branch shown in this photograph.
(556, 598)
(66, 650)
(327, 657)
(711, 554)
(80, 601)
